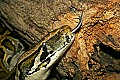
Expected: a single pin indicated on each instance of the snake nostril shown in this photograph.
(68, 39)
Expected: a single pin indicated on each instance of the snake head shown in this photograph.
(40, 59)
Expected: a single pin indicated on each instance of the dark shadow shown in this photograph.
(108, 50)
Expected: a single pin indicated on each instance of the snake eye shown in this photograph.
(44, 53)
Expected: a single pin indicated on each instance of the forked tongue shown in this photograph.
(79, 23)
